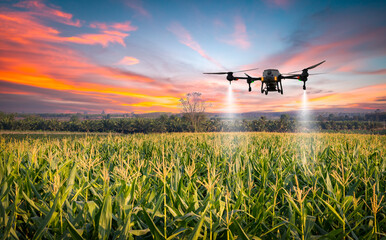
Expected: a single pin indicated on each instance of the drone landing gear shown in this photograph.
(280, 88)
(250, 88)
(264, 89)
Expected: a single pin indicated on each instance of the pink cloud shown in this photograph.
(128, 61)
(277, 3)
(343, 54)
(337, 52)
(14, 27)
(218, 23)
(239, 37)
(185, 38)
(358, 96)
(123, 26)
(115, 32)
(374, 72)
(137, 6)
(103, 38)
(37, 58)
(39, 9)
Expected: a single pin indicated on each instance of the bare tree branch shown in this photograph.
(193, 106)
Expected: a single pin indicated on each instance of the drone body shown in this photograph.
(271, 79)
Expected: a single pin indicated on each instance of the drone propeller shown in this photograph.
(291, 72)
(316, 73)
(232, 72)
(306, 69)
(246, 70)
(314, 66)
(218, 73)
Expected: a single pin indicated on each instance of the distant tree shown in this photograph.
(193, 107)
(74, 118)
(284, 123)
(87, 125)
(161, 123)
(319, 118)
(262, 124)
(7, 121)
(377, 112)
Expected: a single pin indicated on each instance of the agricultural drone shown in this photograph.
(271, 79)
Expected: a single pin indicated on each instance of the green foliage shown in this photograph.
(193, 186)
(175, 123)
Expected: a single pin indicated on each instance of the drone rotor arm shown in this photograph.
(294, 76)
(252, 78)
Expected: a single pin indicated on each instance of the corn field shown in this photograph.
(193, 186)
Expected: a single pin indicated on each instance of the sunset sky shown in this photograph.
(138, 56)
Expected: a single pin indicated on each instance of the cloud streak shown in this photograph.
(185, 38)
(51, 59)
(24, 27)
(42, 62)
(138, 7)
(39, 9)
(128, 61)
(345, 39)
(277, 3)
(239, 37)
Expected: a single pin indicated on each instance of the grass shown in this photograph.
(193, 186)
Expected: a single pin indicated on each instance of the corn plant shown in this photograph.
(193, 186)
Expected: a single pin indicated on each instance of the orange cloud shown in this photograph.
(23, 28)
(370, 97)
(36, 56)
(185, 38)
(37, 80)
(128, 61)
(124, 26)
(103, 39)
(362, 95)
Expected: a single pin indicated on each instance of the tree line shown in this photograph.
(175, 123)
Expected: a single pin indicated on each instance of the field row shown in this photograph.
(210, 186)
